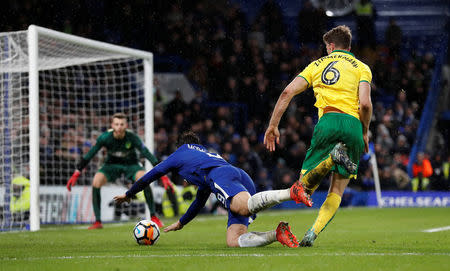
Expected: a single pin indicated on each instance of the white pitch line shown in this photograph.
(356, 254)
(446, 228)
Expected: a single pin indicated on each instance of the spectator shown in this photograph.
(242, 66)
(312, 24)
(262, 182)
(272, 17)
(439, 179)
(365, 20)
(286, 180)
(248, 159)
(20, 200)
(422, 171)
(446, 173)
(387, 179)
(177, 105)
(367, 180)
(393, 38)
(399, 173)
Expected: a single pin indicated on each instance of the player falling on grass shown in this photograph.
(121, 145)
(233, 188)
(341, 86)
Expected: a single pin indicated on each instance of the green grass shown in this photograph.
(357, 239)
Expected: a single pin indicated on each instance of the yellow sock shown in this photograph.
(326, 212)
(313, 178)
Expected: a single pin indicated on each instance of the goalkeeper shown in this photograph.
(121, 145)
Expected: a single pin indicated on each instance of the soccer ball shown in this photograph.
(146, 232)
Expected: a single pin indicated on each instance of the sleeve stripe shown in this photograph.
(364, 81)
(304, 78)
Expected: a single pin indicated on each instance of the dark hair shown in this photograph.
(341, 36)
(119, 116)
(188, 137)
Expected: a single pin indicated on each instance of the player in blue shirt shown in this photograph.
(232, 187)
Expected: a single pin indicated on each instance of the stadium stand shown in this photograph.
(239, 55)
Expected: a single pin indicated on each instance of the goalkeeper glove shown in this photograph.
(72, 181)
(167, 183)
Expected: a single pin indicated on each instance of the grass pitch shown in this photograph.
(357, 239)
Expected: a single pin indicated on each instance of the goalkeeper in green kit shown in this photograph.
(121, 145)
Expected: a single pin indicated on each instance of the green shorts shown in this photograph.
(115, 171)
(331, 129)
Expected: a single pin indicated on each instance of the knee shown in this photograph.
(97, 184)
(239, 204)
(244, 212)
(99, 180)
(240, 209)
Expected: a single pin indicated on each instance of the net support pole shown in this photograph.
(33, 103)
(148, 102)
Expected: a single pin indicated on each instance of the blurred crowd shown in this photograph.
(249, 63)
(239, 67)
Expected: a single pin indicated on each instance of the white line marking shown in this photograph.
(106, 225)
(338, 254)
(446, 228)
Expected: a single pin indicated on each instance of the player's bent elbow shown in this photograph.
(288, 92)
(365, 106)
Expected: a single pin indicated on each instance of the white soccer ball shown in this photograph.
(146, 232)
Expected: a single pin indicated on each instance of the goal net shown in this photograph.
(58, 92)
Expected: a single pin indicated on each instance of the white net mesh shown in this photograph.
(14, 135)
(80, 88)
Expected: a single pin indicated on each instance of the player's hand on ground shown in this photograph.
(366, 142)
(174, 227)
(271, 136)
(73, 180)
(121, 199)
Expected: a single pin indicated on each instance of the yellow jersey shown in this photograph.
(335, 80)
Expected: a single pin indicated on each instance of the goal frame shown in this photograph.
(33, 34)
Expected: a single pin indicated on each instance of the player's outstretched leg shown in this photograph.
(285, 236)
(310, 180)
(266, 199)
(281, 234)
(340, 156)
(298, 194)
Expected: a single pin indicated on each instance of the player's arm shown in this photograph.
(192, 211)
(84, 160)
(297, 86)
(160, 170)
(365, 111)
(150, 157)
(144, 151)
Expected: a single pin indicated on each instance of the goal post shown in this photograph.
(33, 103)
(58, 92)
